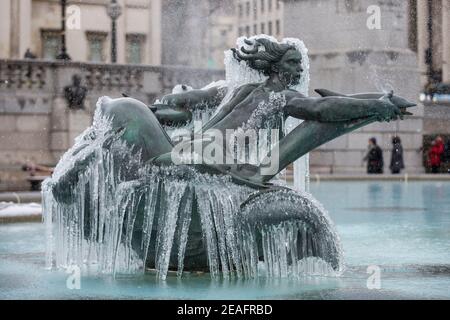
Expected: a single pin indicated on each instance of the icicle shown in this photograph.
(49, 212)
(208, 229)
(149, 214)
(167, 225)
(184, 223)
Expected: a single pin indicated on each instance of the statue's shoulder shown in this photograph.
(245, 90)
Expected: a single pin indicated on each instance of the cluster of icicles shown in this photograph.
(97, 227)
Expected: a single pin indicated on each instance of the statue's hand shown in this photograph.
(387, 110)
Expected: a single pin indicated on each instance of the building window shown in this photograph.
(96, 46)
(262, 5)
(263, 28)
(255, 9)
(240, 31)
(247, 31)
(277, 27)
(240, 10)
(247, 8)
(135, 48)
(270, 27)
(270, 5)
(51, 44)
(278, 4)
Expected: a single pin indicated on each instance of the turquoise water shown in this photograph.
(402, 228)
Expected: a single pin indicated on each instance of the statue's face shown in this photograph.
(290, 68)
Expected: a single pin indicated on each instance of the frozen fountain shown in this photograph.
(119, 202)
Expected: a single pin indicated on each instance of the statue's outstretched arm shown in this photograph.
(191, 99)
(338, 109)
(400, 102)
(176, 108)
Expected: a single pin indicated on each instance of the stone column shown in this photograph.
(20, 30)
(446, 40)
(422, 37)
(154, 39)
(14, 50)
(5, 25)
(25, 27)
(121, 33)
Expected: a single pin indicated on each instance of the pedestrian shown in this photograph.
(374, 158)
(435, 154)
(397, 163)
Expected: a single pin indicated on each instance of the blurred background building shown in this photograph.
(38, 120)
(197, 32)
(158, 42)
(433, 49)
(36, 25)
(260, 16)
(348, 57)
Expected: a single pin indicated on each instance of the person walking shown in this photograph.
(435, 154)
(397, 163)
(374, 158)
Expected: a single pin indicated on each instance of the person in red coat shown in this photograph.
(435, 154)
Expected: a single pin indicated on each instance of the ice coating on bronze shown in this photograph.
(120, 215)
(117, 202)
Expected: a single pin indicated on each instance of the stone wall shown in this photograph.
(35, 122)
(348, 57)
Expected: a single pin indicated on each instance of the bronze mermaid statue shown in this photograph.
(254, 106)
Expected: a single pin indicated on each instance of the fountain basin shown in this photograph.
(403, 230)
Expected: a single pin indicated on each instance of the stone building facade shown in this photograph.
(259, 17)
(36, 25)
(36, 123)
(436, 117)
(197, 32)
(348, 57)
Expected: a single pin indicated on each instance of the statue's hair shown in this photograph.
(262, 60)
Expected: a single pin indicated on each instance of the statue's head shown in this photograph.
(272, 58)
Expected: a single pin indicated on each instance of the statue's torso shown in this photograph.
(254, 110)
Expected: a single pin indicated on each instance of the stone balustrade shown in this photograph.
(50, 76)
